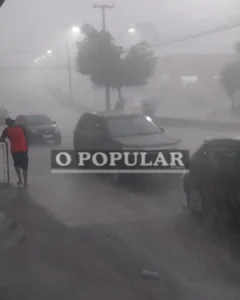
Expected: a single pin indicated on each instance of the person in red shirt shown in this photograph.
(17, 137)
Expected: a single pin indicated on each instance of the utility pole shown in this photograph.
(103, 8)
(69, 71)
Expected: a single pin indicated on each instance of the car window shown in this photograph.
(99, 125)
(82, 121)
(87, 124)
(127, 126)
(225, 157)
(95, 125)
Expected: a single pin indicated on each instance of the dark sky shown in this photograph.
(39, 24)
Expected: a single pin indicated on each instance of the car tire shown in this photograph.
(195, 203)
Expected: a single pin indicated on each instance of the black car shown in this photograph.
(106, 131)
(40, 128)
(120, 131)
(212, 185)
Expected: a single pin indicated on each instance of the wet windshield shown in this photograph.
(131, 126)
(38, 120)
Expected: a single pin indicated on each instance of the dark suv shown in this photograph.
(212, 185)
(40, 128)
(119, 131)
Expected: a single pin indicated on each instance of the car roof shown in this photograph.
(32, 115)
(233, 139)
(113, 114)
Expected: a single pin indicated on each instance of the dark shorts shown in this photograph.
(20, 160)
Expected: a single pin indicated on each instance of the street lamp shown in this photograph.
(49, 52)
(74, 30)
(131, 30)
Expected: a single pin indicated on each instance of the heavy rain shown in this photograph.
(79, 74)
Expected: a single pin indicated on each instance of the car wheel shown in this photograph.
(195, 203)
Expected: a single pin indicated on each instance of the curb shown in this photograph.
(201, 124)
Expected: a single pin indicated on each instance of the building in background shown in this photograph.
(190, 75)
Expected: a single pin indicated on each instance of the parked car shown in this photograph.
(120, 131)
(212, 185)
(40, 128)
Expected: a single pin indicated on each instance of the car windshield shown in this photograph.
(38, 120)
(131, 126)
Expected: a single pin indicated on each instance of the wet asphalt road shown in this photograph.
(119, 230)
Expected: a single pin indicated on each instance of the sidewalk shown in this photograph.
(55, 263)
(213, 114)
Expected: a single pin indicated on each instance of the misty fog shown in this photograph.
(127, 229)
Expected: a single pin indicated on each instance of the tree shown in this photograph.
(108, 65)
(99, 57)
(230, 77)
(1, 2)
(139, 65)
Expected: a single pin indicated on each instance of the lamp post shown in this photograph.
(103, 8)
(74, 30)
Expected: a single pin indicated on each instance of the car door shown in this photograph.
(100, 137)
(225, 160)
(200, 176)
(82, 132)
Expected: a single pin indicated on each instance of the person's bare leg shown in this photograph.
(19, 176)
(25, 177)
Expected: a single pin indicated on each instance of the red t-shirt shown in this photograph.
(17, 137)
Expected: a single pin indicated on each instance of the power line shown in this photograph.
(200, 21)
(196, 35)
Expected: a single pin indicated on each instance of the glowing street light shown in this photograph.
(131, 30)
(75, 29)
(49, 52)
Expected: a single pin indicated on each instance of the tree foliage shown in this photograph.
(1, 2)
(98, 56)
(108, 65)
(139, 65)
